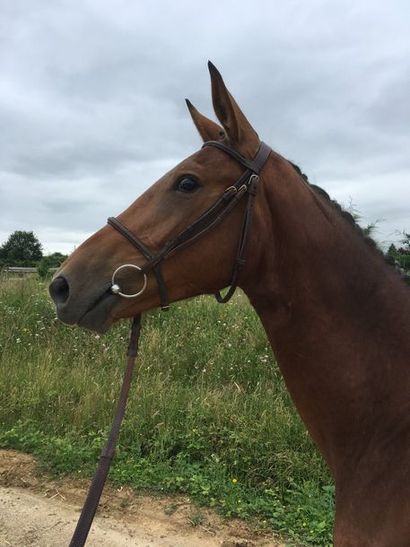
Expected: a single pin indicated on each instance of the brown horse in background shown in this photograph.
(337, 316)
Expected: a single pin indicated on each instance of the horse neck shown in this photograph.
(336, 316)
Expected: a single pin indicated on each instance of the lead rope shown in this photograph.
(254, 167)
(97, 485)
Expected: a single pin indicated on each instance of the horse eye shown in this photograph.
(187, 184)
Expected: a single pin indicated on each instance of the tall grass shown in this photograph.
(208, 414)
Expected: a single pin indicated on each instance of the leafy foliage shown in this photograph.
(402, 254)
(48, 262)
(21, 249)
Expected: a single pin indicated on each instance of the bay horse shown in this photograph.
(336, 315)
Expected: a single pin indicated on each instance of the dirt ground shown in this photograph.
(39, 510)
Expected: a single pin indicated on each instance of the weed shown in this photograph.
(197, 519)
(124, 503)
(171, 508)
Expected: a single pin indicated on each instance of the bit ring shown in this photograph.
(116, 289)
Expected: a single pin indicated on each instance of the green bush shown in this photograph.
(48, 263)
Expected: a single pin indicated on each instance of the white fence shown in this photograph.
(21, 270)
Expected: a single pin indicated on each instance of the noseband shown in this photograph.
(245, 185)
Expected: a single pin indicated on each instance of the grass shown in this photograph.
(208, 414)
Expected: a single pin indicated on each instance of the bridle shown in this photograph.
(245, 185)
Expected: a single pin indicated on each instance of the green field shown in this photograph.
(208, 415)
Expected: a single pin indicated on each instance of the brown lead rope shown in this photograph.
(94, 493)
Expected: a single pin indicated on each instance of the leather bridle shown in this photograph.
(245, 185)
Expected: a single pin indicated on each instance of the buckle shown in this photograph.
(242, 190)
(231, 190)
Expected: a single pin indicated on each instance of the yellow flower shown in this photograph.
(234, 481)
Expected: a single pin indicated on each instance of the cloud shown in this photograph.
(92, 110)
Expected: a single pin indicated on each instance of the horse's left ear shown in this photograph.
(239, 131)
(209, 130)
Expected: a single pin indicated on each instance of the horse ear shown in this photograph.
(209, 130)
(239, 131)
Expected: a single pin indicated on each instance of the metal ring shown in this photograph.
(116, 288)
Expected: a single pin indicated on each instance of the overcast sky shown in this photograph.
(92, 104)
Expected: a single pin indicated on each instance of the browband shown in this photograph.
(255, 165)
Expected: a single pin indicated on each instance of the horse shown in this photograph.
(336, 315)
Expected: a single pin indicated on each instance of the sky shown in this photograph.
(92, 107)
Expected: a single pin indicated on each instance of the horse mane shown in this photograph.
(353, 222)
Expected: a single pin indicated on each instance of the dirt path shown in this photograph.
(38, 510)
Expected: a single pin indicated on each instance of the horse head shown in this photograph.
(191, 200)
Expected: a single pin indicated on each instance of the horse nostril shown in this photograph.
(59, 290)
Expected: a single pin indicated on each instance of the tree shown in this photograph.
(406, 242)
(392, 251)
(51, 261)
(21, 249)
(403, 254)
